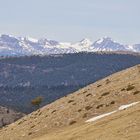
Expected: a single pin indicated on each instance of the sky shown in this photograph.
(72, 20)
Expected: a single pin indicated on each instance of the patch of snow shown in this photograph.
(100, 116)
(100, 41)
(32, 39)
(127, 106)
(123, 107)
(130, 47)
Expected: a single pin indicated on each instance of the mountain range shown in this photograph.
(21, 46)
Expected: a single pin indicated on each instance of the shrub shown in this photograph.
(108, 81)
(32, 126)
(88, 107)
(84, 92)
(79, 110)
(104, 94)
(53, 111)
(30, 133)
(136, 92)
(123, 89)
(37, 101)
(39, 113)
(85, 115)
(70, 101)
(99, 85)
(130, 87)
(89, 95)
(72, 122)
(99, 106)
(113, 102)
(74, 104)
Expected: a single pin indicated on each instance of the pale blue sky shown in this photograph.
(72, 20)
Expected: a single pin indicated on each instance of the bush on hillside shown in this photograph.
(37, 101)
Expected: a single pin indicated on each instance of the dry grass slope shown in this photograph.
(123, 125)
(70, 112)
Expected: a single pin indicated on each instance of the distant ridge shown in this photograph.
(21, 46)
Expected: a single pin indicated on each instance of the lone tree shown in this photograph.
(37, 101)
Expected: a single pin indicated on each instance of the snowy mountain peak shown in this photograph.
(83, 46)
(104, 39)
(85, 41)
(30, 39)
(107, 44)
(136, 47)
(8, 38)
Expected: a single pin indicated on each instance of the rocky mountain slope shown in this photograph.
(52, 77)
(21, 46)
(65, 118)
(8, 116)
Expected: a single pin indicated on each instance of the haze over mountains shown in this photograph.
(20, 46)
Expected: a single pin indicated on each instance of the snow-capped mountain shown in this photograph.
(136, 47)
(107, 44)
(19, 46)
(10, 46)
(83, 45)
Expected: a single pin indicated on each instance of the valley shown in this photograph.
(52, 77)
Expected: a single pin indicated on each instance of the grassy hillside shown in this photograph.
(123, 125)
